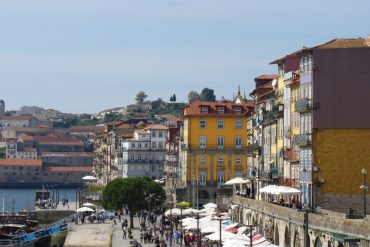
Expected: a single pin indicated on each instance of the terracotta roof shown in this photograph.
(194, 108)
(27, 137)
(57, 140)
(156, 127)
(22, 117)
(267, 77)
(344, 44)
(20, 162)
(70, 169)
(27, 149)
(62, 154)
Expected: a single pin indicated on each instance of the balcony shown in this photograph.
(302, 105)
(302, 139)
(278, 110)
(269, 117)
(142, 161)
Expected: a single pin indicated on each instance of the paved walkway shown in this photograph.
(102, 234)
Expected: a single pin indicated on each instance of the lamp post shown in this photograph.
(198, 232)
(364, 187)
(219, 218)
(250, 234)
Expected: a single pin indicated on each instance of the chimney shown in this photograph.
(367, 41)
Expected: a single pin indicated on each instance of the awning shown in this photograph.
(237, 180)
(279, 190)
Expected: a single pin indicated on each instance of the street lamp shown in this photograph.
(220, 219)
(364, 187)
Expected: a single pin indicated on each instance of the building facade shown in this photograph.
(213, 147)
(144, 155)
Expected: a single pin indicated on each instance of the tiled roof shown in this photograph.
(64, 154)
(70, 169)
(26, 137)
(57, 140)
(27, 149)
(194, 108)
(267, 77)
(20, 162)
(22, 117)
(343, 44)
(156, 127)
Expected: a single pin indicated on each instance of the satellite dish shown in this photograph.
(274, 82)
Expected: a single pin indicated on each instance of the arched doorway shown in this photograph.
(297, 241)
(318, 242)
(203, 194)
(340, 244)
(276, 235)
(287, 237)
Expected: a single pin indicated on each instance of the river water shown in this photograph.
(24, 199)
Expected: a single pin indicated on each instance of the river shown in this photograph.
(24, 199)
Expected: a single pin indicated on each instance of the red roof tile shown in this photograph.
(20, 162)
(156, 127)
(194, 108)
(267, 77)
(22, 117)
(70, 169)
(62, 154)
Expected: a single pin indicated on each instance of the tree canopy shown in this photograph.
(193, 96)
(140, 97)
(208, 95)
(136, 192)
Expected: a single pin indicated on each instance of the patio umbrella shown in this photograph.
(85, 209)
(184, 204)
(88, 204)
(89, 178)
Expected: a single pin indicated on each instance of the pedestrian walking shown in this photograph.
(124, 229)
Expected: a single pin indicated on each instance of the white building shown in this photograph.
(144, 155)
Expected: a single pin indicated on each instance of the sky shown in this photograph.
(84, 56)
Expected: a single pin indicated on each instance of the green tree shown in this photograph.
(136, 192)
(140, 97)
(208, 95)
(193, 96)
(174, 98)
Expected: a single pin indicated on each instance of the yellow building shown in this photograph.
(213, 148)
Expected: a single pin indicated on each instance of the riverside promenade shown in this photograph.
(101, 234)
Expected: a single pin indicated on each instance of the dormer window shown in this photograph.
(204, 109)
(221, 109)
(237, 110)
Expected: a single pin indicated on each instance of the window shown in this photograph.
(221, 109)
(160, 133)
(220, 124)
(154, 144)
(204, 109)
(238, 141)
(202, 142)
(202, 124)
(132, 156)
(132, 145)
(220, 177)
(202, 177)
(238, 173)
(202, 159)
(146, 157)
(238, 124)
(238, 160)
(220, 159)
(220, 141)
(154, 133)
(146, 145)
(139, 156)
(160, 145)
(237, 110)
(139, 145)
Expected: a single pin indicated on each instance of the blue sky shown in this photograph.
(85, 56)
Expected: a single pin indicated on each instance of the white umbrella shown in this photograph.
(88, 204)
(210, 205)
(89, 178)
(85, 209)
